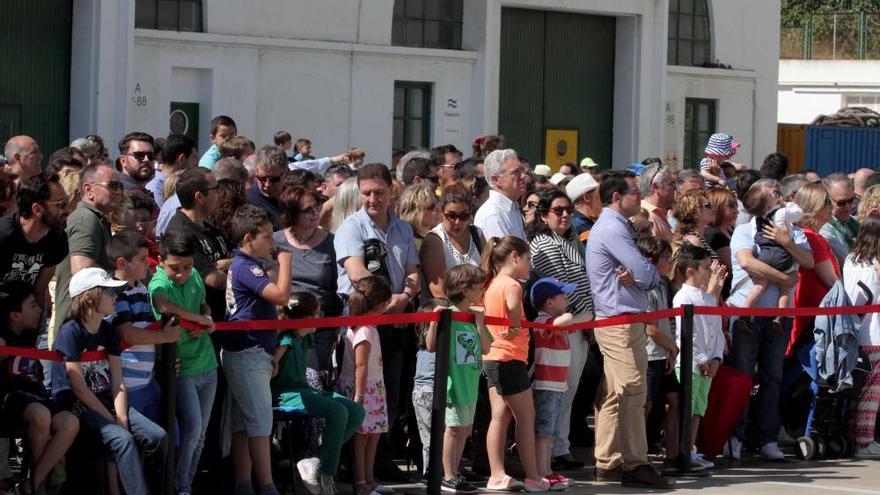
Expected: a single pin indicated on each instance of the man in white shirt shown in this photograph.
(501, 215)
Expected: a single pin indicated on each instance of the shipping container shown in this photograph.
(790, 140)
(832, 149)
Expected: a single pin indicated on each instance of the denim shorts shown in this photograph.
(248, 373)
(548, 407)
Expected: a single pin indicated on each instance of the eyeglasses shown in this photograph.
(559, 210)
(516, 173)
(531, 204)
(142, 155)
(210, 188)
(453, 216)
(61, 203)
(844, 202)
(656, 172)
(113, 186)
(274, 179)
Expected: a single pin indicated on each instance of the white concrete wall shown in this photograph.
(746, 37)
(324, 69)
(809, 88)
(337, 94)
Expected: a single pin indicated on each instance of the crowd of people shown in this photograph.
(112, 256)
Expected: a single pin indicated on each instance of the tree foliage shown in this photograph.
(797, 12)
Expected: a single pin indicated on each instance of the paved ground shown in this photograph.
(795, 477)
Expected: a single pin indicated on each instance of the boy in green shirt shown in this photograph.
(177, 289)
(463, 286)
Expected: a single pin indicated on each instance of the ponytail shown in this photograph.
(496, 253)
(369, 292)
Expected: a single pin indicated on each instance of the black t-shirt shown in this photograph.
(22, 261)
(20, 373)
(212, 247)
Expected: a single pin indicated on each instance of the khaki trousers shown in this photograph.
(620, 427)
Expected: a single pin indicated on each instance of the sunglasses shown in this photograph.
(453, 216)
(113, 186)
(142, 155)
(559, 210)
(844, 202)
(531, 204)
(274, 179)
(311, 210)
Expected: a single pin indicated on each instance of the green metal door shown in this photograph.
(557, 72)
(184, 119)
(35, 57)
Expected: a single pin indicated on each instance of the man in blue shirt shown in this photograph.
(375, 242)
(178, 153)
(754, 339)
(621, 443)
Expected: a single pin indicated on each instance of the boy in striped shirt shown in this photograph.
(128, 250)
(552, 358)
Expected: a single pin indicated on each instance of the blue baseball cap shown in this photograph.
(548, 288)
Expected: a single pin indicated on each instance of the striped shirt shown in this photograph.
(562, 259)
(133, 306)
(552, 357)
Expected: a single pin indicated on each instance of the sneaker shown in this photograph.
(457, 485)
(507, 484)
(699, 459)
(538, 486)
(383, 490)
(309, 471)
(872, 451)
(557, 481)
(733, 448)
(770, 452)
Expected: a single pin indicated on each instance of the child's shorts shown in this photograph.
(700, 392)
(508, 377)
(660, 382)
(460, 415)
(548, 407)
(248, 373)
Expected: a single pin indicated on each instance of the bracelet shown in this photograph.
(358, 396)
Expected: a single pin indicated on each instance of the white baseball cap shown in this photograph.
(89, 278)
(558, 177)
(581, 184)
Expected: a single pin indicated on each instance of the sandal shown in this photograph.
(507, 484)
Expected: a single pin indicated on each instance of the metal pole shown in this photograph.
(438, 409)
(687, 358)
(169, 392)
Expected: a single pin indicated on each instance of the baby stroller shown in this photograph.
(827, 432)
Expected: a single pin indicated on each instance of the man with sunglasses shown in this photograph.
(842, 230)
(268, 183)
(136, 160)
(88, 232)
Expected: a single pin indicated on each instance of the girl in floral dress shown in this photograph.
(361, 378)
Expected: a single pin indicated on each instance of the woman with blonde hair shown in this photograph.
(870, 203)
(417, 206)
(346, 202)
(813, 283)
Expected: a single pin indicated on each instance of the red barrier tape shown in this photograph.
(427, 317)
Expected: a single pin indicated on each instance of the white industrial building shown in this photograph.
(618, 80)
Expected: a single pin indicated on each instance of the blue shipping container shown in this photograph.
(832, 149)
